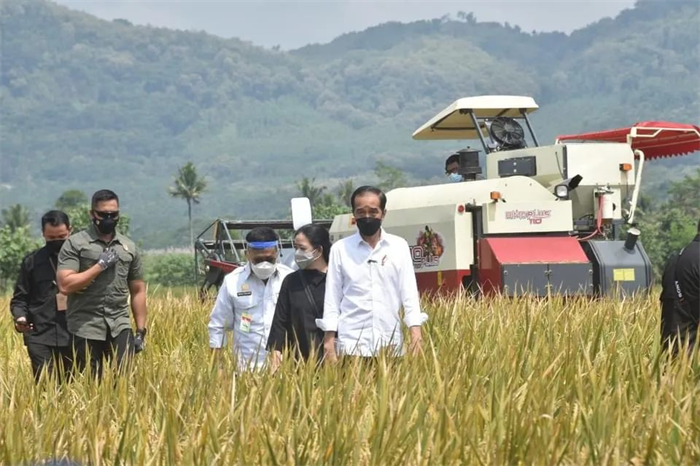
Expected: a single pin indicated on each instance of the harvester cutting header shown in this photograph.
(545, 219)
(539, 219)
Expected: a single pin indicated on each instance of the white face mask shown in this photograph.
(304, 259)
(263, 270)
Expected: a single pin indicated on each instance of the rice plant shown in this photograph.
(501, 381)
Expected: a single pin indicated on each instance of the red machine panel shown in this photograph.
(441, 281)
(529, 260)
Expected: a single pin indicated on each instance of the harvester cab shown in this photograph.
(544, 220)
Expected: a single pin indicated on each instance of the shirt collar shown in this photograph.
(94, 236)
(247, 271)
(360, 241)
(314, 276)
(45, 252)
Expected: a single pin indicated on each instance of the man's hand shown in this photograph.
(139, 340)
(22, 326)
(108, 258)
(275, 362)
(416, 346)
(329, 354)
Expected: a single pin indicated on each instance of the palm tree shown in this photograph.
(189, 186)
(309, 190)
(344, 192)
(389, 177)
(15, 217)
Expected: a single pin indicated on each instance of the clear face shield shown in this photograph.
(262, 257)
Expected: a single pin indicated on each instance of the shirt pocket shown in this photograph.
(45, 283)
(124, 265)
(247, 306)
(245, 302)
(88, 258)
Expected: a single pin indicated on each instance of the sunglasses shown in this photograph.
(107, 214)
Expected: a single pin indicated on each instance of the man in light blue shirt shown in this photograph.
(247, 299)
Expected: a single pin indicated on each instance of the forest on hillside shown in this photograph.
(87, 103)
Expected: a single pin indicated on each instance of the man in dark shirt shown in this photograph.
(680, 297)
(37, 306)
(100, 269)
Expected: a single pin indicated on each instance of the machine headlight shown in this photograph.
(561, 191)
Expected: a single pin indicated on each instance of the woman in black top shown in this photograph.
(300, 301)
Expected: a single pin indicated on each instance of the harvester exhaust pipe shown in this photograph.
(632, 237)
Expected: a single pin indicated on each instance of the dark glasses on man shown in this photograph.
(107, 214)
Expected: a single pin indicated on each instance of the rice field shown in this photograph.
(499, 382)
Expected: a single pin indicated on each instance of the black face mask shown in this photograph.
(105, 226)
(368, 225)
(55, 245)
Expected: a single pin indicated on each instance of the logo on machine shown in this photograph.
(428, 249)
(534, 216)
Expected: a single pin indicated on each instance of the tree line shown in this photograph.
(17, 238)
(86, 99)
(667, 225)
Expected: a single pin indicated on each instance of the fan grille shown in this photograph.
(507, 132)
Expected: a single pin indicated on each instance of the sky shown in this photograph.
(293, 24)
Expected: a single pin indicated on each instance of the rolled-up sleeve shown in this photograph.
(69, 257)
(136, 267)
(221, 318)
(410, 298)
(334, 293)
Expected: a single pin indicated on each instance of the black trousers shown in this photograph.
(57, 360)
(678, 326)
(96, 353)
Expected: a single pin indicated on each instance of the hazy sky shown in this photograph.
(295, 23)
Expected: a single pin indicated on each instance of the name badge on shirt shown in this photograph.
(244, 293)
(61, 302)
(246, 320)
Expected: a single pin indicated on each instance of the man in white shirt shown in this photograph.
(247, 299)
(370, 277)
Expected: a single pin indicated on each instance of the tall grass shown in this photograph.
(499, 382)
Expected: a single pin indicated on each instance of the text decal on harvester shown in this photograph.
(534, 216)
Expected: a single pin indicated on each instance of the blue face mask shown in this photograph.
(455, 177)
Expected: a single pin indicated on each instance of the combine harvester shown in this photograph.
(544, 219)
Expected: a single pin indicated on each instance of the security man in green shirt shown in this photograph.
(98, 269)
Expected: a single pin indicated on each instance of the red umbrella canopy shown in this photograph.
(655, 138)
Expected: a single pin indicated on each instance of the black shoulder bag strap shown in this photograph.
(305, 284)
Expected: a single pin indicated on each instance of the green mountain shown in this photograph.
(87, 103)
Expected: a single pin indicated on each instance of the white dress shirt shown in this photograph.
(365, 289)
(246, 305)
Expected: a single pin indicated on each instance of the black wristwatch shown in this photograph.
(142, 332)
